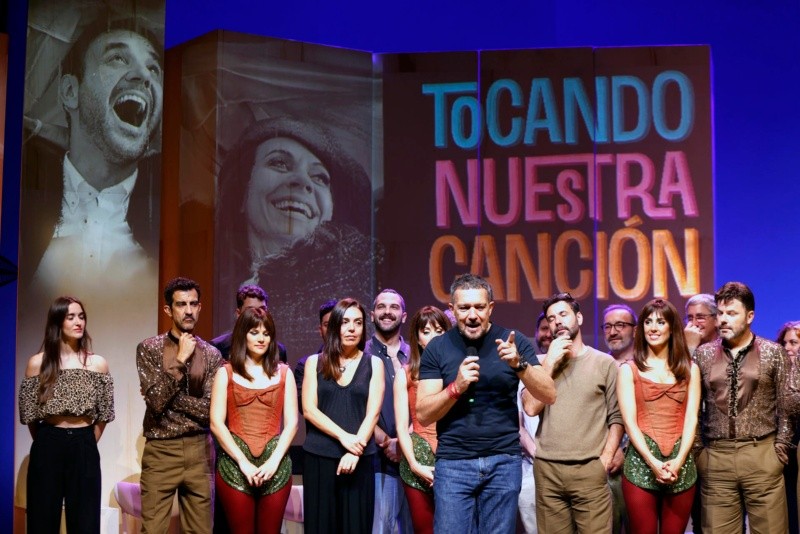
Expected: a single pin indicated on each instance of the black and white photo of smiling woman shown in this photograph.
(294, 215)
(91, 189)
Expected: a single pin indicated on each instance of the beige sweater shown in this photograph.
(575, 428)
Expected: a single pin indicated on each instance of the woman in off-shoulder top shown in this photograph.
(66, 399)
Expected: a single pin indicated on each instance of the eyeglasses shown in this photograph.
(702, 317)
(618, 326)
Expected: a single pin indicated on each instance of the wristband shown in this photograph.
(452, 392)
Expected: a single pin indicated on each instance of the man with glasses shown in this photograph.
(579, 434)
(701, 321)
(619, 323)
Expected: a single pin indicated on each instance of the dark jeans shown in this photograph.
(477, 495)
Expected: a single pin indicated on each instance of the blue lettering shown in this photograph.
(687, 105)
(493, 114)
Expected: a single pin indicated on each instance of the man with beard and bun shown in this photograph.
(111, 89)
(579, 434)
(744, 424)
(469, 378)
(176, 370)
(619, 322)
(391, 507)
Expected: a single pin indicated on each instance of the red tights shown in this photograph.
(421, 506)
(248, 514)
(646, 509)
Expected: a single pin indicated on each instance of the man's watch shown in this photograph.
(523, 364)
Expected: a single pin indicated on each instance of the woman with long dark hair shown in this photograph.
(416, 467)
(250, 396)
(659, 397)
(342, 396)
(66, 399)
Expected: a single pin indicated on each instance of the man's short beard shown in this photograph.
(572, 335)
(462, 329)
(386, 333)
(619, 345)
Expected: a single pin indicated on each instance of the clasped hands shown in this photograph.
(665, 472)
(355, 448)
(257, 476)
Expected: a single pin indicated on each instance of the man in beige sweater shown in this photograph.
(578, 434)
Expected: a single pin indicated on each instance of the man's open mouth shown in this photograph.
(131, 109)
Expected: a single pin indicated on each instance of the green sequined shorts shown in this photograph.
(424, 455)
(230, 473)
(639, 473)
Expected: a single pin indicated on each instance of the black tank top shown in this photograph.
(345, 405)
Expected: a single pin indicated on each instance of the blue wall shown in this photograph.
(756, 78)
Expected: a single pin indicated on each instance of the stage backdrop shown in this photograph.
(585, 170)
(103, 108)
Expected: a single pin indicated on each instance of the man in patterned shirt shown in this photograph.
(744, 425)
(176, 370)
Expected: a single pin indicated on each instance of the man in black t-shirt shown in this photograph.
(469, 378)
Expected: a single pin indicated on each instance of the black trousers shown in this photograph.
(337, 504)
(64, 468)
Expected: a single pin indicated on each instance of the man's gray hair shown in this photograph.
(704, 299)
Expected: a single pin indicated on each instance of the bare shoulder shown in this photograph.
(34, 365)
(401, 376)
(289, 373)
(695, 370)
(96, 363)
(625, 371)
(376, 363)
(221, 375)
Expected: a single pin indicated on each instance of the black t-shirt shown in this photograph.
(485, 420)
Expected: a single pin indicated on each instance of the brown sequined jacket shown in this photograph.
(175, 407)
